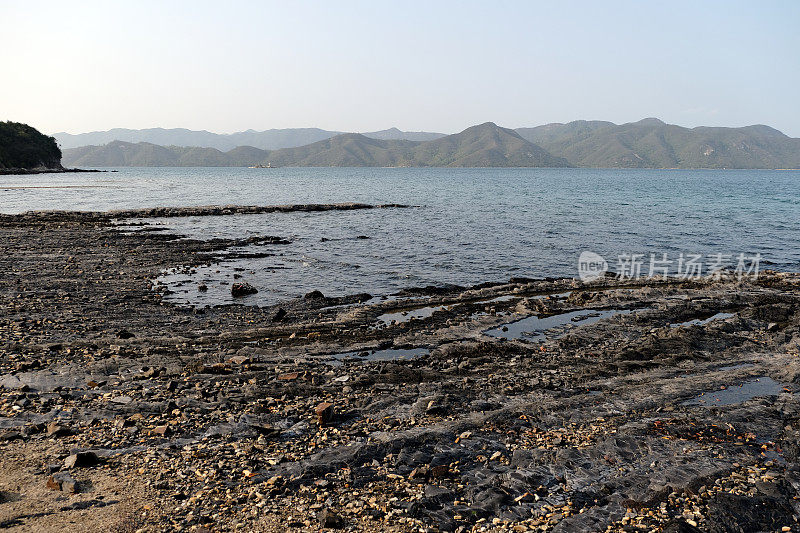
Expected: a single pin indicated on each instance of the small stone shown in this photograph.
(420, 472)
(56, 430)
(440, 471)
(81, 460)
(329, 519)
(62, 481)
(275, 481)
(324, 413)
(163, 431)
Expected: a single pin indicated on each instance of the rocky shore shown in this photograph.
(24, 171)
(526, 405)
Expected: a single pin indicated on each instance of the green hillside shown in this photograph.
(24, 147)
(485, 145)
(348, 150)
(650, 143)
(479, 146)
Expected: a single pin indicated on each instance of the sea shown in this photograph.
(464, 227)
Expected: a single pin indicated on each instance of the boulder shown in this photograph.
(242, 289)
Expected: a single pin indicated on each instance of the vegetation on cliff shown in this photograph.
(24, 147)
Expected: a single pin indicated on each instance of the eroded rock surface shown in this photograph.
(239, 417)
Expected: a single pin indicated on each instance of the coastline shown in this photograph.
(29, 171)
(244, 415)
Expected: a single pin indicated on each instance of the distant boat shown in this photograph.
(268, 165)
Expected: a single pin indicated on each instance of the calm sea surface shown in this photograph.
(472, 225)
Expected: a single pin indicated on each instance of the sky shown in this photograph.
(416, 65)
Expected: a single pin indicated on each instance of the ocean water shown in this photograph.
(468, 225)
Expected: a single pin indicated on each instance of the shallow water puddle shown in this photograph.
(425, 312)
(389, 354)
(700, 322)
(556, 296)
(758, 387)
(406, 316)
(535, 326)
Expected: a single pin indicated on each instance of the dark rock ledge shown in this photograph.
(194, 211)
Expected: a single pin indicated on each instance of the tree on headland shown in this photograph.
(24, 147)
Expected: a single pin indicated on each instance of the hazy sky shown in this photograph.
(361, 66)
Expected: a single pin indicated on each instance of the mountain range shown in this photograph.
(648, 143)
(274, 139)
(485, 145)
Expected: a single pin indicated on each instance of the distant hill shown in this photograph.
(394, 133)
(484, 145)
(24, 147)
(650, 143)
(274, 139)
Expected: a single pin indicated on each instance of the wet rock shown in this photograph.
(125, 334)
(314, 295)
(242, 289)
(279, 315)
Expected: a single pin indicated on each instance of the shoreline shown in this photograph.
(243, 415)
(187, 211)
(30, 171)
